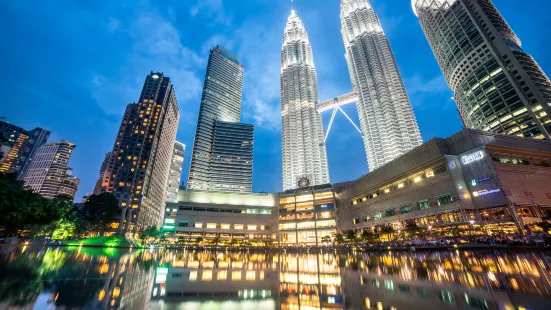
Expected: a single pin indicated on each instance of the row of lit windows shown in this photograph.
(419, 205)
(217, 226)
(518, 161)
(226, 210)
(416, 178)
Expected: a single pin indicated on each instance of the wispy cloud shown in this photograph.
(426, 93)
(213, 9)
(156, 46)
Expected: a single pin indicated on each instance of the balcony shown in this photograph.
(307, 216)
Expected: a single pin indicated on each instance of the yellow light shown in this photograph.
(401, 185)
(417, 179)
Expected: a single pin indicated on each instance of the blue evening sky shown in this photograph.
(71, 66)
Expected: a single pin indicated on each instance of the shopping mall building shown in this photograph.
(471, 182)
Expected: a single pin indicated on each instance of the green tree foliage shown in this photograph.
(100, 210)
(21, 207)
(339, 238)
(351, 235)
(368, 235)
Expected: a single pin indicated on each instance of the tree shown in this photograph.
(389, 230)
(339, 238)
(100, 210)
(351, 235)
(326, 239)
(216, 241)
(198, 240)
(22, 207)
(150, 232)
(368, 235)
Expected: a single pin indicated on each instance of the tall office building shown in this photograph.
(142, 155)
(103, 181)
(304, 156)
(497, 86)
(232, 153)
(175, 173)
(389, 127)
(18, 147)
(48, 173)
(220, 107)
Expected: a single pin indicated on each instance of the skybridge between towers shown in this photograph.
(335, 105)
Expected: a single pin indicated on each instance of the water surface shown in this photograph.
(89, 278)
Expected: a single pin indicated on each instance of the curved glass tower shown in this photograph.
(497, 86)
(304, 156)
(386, 117)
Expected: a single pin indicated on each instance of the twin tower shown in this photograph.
(388, 125)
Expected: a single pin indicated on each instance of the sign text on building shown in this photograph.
(467, 159)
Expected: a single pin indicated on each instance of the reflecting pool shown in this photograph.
(89, 278)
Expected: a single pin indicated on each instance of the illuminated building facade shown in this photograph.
(306, 216)
(454, 280)
(222, 153)
(472, 179)
(19, 146)
(104, 173)
(389, 127)
(141, 157)
(48, 174)
(243, 280)
(304, 155)
(175, 174)
(497, 86)
(243, 217)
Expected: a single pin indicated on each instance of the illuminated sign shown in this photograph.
(486, 192)
(451, 165)
(474, 182)
(467, 159)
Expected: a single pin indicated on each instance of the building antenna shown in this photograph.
(292, 7)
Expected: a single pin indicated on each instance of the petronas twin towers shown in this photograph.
(388, 125)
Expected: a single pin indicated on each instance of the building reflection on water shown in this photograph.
(107, 279)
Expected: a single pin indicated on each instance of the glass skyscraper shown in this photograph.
(304, 156)
(216, 164)
(497, 86)
(389, 127)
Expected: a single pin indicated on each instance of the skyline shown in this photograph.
(114, 87)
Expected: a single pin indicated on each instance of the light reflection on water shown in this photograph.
(85, 278)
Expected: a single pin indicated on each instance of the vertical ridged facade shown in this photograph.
(220, 102)
(497, 86)
(389, 127)
(232, 152)
(304, 155)
(141, 157)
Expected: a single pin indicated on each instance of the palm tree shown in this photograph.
(198, 240)
(351, 235)
(326, 239)
(388, 230)
(367, 235)
(339, 238)
(216, 241)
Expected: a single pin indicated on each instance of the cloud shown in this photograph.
(113, 24)
(426, 93)
(155, 45)
(213, 9)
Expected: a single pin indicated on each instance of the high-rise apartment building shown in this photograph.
(142, 154)
(18, 147)
(497, 86)
(48, 173)
(104, 173)
(389, 127)
(304, 156)
(175, 173)
(220, 109)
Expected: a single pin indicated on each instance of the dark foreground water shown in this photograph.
(85, 278)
